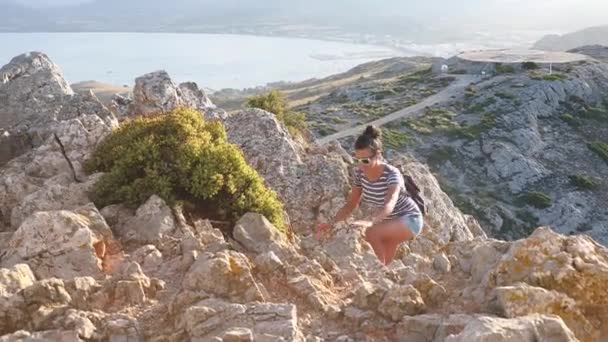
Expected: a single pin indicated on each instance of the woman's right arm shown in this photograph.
(353, 202)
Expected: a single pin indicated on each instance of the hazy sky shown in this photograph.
(565, 15)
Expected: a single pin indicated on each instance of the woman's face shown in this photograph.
(366, 158)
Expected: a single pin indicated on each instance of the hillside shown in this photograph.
(589, 36)
(71, 270)
(514, 149)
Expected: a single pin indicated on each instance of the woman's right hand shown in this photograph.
(322, 228)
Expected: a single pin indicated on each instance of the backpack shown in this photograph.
(415, 193)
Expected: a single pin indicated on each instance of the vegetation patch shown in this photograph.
(433, 119)
(394, 138)
(529, 66)
(599, 147)
(570, 120)
(480, 107)
(556, 76)
(535, 199)
(504, 69)
(180, 157)
(338, 120)
(505, 95)
(473, 132)
(441, 154)
(582, 182)
(275, 103)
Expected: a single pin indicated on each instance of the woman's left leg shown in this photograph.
(386, 237)
(396, 233)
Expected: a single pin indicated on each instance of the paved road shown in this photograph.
(453, 89)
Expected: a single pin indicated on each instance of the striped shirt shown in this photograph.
(374, 192)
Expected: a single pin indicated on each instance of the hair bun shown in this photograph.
(373, 132)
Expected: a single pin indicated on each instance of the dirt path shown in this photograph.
(453, 89)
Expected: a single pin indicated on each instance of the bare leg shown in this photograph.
(372, 235)
(392, 234)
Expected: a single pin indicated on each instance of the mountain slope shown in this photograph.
(515, 150)
(590, 36)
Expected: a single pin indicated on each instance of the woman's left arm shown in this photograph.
(390, 200)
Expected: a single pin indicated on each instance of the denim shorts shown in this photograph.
(413, 222)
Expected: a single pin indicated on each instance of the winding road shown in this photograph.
(457, 86)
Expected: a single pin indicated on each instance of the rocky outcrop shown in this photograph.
(599, 52)
(156, 93)
(69, 271)
(34, 97)
(50, 177)
(60, 244)
(529, 329)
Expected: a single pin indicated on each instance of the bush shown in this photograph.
(529, 66)
(274, 102)
(179, 157)
(601, 148)
(394, 139)
(582, 182)
(536, 199)
(555, 77)
(506, 96)
(570, 120)
(504, 69)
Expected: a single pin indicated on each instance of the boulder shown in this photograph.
(226, 274)
(152, 220)
(523, 300)
(523, 329)
(155, 92)
(63, 244)
(14, 279)
(308, 183)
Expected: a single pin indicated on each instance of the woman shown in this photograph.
(397, 218)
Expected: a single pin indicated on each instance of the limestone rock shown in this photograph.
(431, 327)
(523, 329)
(153, 220)
(213, 317)
(269, 263)
(305, 182)
(34, 99)
(50, 177)
(401, 301)
(225, 274)
(52, 335)
(258, 235)
(31, 85)
(441, 263)
(238, 335)
(15, 278)
(155, 92)
(63, 244)
(522, 300)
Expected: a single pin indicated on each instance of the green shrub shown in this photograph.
(597, 114)
(529, 66)
(394, 138)
(274, 102)
(582, 182)
(555, 77)
(441, 154)
(570, 120)
(180, 157)
(506, 96)
(601, 148)
(480, 107)
(536, 199)
(338, 120)
(504, 69)
(473, 132)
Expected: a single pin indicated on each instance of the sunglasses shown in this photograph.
(365, 160)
